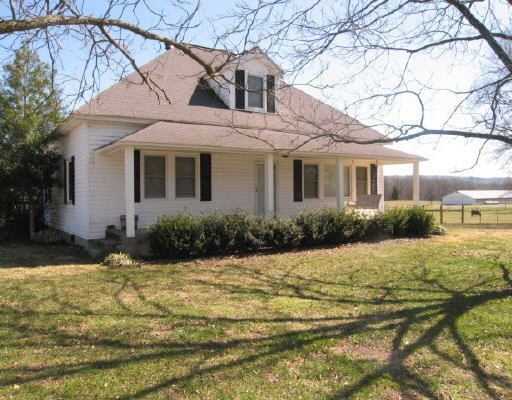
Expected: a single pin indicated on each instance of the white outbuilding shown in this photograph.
(472, 197)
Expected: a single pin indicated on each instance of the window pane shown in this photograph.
(329, 181)
(255, 94)
(185, 177)
(347, 181)
(310, 181)
(361, 180)
(154, 176)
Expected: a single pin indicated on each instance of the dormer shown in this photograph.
(252, 83)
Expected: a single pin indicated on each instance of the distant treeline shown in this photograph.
(433, 188)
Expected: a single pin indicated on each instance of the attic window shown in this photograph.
(255, 92)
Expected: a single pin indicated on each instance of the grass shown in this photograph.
(452, 214)
(408, 319)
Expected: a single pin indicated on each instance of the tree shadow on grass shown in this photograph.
(434, 311)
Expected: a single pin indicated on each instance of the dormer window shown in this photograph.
(255, 92)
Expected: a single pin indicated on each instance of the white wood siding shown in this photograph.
(73, 218)
(100, 184)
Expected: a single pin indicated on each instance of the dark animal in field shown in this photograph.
(474, 213)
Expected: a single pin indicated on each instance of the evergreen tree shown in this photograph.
(30, 110)
(395, 194)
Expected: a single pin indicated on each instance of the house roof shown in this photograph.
(222, 137)
(192, 101)
(485, 194)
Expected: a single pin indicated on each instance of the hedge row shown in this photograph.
(185, 236)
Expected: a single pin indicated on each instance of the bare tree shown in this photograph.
(363, 38)
(383, 42)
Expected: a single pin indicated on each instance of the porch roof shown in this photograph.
(215, 137)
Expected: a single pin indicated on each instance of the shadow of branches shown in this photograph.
(433, 313)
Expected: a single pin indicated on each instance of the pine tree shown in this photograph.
(395, 193)
(30, 111)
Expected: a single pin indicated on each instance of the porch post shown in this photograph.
(416, 183)
(353, 189)
(380, 183)
(269, 185)
(129, 191)
(340, 187)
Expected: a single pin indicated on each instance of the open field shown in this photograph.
(398, 319)
(501, 214)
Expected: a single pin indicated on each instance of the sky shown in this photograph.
(446, 156)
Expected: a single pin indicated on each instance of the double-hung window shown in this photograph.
(154, 177)
(330, 176)
(255, 91)
(361, 180)
(185, 177)
(310, 181)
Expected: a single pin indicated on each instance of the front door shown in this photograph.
(260, 189)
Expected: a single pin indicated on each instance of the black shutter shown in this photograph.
(239, 89)
(136, 176)
(271, 94)
(65, 183)
(297, 180)
(72, 180)
(205, 169)
(373, 178)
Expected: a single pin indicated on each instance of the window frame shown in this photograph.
(143, 174)
(317, 165)
(263, 92)
(68, 185)
(197, 176)
(367, 168)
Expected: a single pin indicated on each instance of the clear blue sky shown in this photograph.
(445, 156)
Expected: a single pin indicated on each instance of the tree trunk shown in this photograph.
(31, 222)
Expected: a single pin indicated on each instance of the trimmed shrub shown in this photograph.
(281, 233)
(330, 226)
(231, 233)
(184, 236)
(119, 260)
(177, 236)
(406, 222)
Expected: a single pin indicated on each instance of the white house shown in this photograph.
(472, 197)
(213, 146)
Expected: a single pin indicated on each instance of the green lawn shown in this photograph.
(401, 319)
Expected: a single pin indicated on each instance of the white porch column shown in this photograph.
(269, 185)
(416, 183)
(129, 194)
(380, 183)
(340, 187)
(353, 189)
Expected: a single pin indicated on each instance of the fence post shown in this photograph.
(441, 213)
(462, 215)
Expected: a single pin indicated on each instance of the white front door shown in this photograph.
(260, 189)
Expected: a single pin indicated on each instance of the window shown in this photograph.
(154, 177)
(185, 177)
(330, 184)
(310, 181)
(347, 181)
(361, 180)
(255, 93)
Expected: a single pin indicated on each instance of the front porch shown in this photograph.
(168, 180)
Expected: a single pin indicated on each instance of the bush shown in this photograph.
(184, 236)
(439, 230)
(119, 260)
(406, 222)
(48, 236)
(281, 233)
(177, 236)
